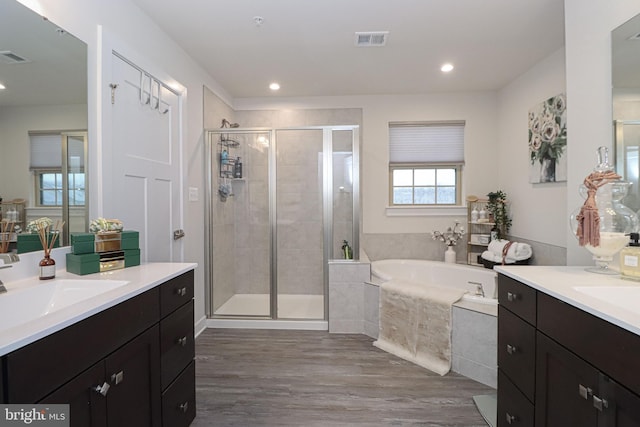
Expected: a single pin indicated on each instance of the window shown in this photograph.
(425, 163)
(46, 164)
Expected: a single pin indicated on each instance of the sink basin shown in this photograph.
(21, 305)
(626, 297)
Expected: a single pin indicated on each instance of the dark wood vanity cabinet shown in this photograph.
(130, 365)
(584, 369)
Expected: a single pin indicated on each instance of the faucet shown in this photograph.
(479, 288)
(8, 258)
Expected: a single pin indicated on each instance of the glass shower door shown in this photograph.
(299, 228)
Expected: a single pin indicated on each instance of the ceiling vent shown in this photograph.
(371, 38)
(8, 57)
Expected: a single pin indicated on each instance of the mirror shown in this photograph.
(44, 71)
(625, 73)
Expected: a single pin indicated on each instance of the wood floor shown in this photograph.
(279, 378)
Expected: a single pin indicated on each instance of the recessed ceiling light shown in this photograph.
(446, 68)
(2, 86)
(274, 86)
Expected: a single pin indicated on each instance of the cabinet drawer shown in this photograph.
(513, 408)
(517, 297)
(614, 350)
(177, 347)
(179, 400)
(37, 369)
(176, 292)
(517, 351)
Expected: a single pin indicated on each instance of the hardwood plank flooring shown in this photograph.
(250, 378)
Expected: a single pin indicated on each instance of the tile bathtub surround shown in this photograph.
(474, 344)
(347, 296)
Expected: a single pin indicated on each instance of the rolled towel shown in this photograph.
(519, 251)
(496, 246)
(490, 256)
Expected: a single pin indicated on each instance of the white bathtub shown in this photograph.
(480, 283)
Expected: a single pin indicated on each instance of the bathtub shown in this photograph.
(480, 283)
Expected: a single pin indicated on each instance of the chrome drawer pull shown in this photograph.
(599, 403)
(181, 291)
(118, 378)
(584, 392)
(102, 389)
(511, 296)
(182, 341)
(511, 349)
(511, 418)
(184, 407)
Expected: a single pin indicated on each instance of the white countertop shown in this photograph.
(140, 279)
(561, 282)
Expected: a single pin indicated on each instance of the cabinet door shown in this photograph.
(565, 385)
(621, 407)
(133, 372)
(87, 407)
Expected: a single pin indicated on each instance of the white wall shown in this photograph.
(122, 20)
(538, 210)
(588, 26)
(480, 174)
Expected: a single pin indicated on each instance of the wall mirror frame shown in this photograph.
(625, 75)
(44, 71)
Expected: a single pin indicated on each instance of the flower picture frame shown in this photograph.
(548, 140)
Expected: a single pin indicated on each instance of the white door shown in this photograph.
(144, 191)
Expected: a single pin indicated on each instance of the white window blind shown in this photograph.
(46, 152)
(426, 142)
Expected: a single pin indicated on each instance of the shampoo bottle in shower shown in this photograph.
(346, 250)
(237, 168)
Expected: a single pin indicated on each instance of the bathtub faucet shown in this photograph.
(479, 288)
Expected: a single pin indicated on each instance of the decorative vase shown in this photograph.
(450, 255)
(47, 268)
(548, 170)
(613, 220)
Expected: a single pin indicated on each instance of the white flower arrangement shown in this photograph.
(36, 225)
(102, 225)
(451, 236)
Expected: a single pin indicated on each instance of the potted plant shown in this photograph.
(497, 207)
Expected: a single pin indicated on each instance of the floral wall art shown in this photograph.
(548, 140)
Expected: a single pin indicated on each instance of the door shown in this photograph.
(565, 385)
(134, 396)
(87, 406)
(145, 167)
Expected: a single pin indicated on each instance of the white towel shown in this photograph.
(516, 252)
(415, 323)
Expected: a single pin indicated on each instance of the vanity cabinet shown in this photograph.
(129, 365)
(579, 370)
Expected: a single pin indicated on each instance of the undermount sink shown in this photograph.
(626, 297)
(20, 305)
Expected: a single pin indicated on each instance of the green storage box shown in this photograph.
(131, 257)
(130, 239)
(83, 264)
(30, 242)
(82, 243)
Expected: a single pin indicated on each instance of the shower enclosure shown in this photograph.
(276, 221)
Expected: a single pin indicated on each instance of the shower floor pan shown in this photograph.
(290, 306)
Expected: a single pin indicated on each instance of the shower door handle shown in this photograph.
(178, 234)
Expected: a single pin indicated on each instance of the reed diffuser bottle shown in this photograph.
(48, 237)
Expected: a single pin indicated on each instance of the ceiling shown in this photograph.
(309, 46)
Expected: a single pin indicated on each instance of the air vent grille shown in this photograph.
(8, 57)
(371, 38)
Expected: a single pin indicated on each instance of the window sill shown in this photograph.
(426, 211)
